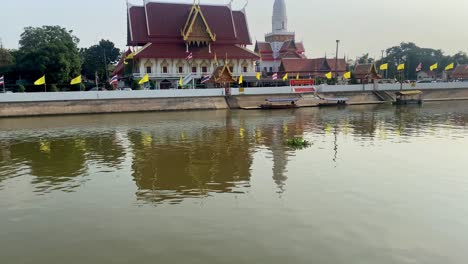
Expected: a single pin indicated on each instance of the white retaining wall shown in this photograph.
(390, 87)
(106, 95)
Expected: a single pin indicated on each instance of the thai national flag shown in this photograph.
(2, 80)
(275, 76)
(114, 79)
(205, 78)
(189, 56)
(419, 68)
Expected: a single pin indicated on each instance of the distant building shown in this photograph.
(280, 43)
(460, 72)
(426, 75)
(366, 73)
(312, 68)
(172, 41)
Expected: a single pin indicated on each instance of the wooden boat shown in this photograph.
(333, 101)
(280, 103)
(408, 97)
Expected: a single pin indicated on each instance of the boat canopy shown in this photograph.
(408, 93)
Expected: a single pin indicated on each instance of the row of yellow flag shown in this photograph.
(433, 67)
(42, 80)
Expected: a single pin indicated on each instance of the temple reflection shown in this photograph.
(178, 159)
(191, 164)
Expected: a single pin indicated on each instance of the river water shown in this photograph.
(378, 185)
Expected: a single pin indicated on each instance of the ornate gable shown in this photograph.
(222, 74)
(196, 29)
(325, 66)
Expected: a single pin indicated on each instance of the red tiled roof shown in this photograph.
(312, 65)
(290, 55)
(263, 47)
(363, 71)
(288, 45)
(178, 51)
(300, 46)
(163, 22)
(342, 65)
(461, 71)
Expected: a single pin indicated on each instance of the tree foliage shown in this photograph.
(7, 61)
(50, 50)
(97, 58)
(412, 55)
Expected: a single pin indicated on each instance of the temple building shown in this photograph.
(171, 41)
(280, 43)
(313, 68)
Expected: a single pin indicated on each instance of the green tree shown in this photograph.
(7, 60)
(21, 88)
(365, 59)
(54, 88)
(412, 55)
(50, 50)
(97, 59)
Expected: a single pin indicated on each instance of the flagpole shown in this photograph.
(4, 89)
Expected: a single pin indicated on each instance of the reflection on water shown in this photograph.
(378, 185)
(177, 157)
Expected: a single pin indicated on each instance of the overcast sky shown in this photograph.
(361, 25)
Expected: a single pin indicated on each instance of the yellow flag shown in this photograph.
(347, 75)
(285, 77)
(145, 79)
(241, 79)
(384, 67)
(401, 67)
(297, 77)
(434, 66)
(40, 81)
(329, 75)
(130, 56)
(77, 80)
(450, 67)
(181, 82)
(259, 76)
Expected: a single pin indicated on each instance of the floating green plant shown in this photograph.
(298, 143)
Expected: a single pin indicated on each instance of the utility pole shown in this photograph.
(336, 60)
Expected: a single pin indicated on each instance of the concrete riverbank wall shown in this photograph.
(63, 103)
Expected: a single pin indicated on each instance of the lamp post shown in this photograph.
(336, 60)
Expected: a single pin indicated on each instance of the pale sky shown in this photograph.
(361, 25)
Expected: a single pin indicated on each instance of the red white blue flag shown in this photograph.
(2, 80)
(189, 56)
(419, 68)
(205, 78)
(275, 76)
(114, 79)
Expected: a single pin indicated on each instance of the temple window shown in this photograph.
(244, 69)
(148, 69)
(181, 69)
(194, 69)
(204, 69)
(164, 69)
